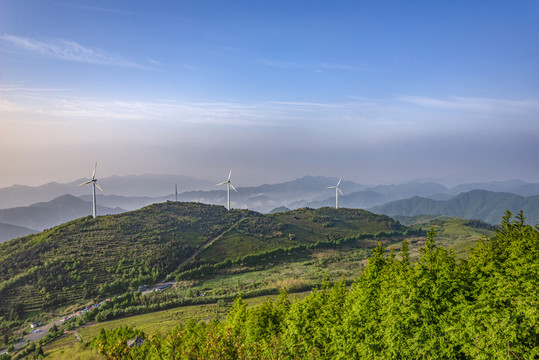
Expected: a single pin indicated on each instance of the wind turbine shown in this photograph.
(93, 181)
(228, 186)
(337, 191)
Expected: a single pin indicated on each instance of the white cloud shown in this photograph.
(66, 50)
(474, 104)
(312, 66)
(153, 61)
(305, 104)
(407, 136)
(333, 66)
(191, 67)
(28, 103)
(283, 64)
(103, 9)
(354, 118)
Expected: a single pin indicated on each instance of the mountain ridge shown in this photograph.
(48, 214)
(484, 205)
(10, 231)
(130, 185)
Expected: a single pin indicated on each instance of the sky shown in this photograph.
(376, 92)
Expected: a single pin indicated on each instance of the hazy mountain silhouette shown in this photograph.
(9, 231)
(264, 198)
(127, 202)
(485, 205)
(149, 185)
(359, 199)
(498, 186)
(378, 195)
(45, 215)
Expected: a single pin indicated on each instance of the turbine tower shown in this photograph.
(228, 186)
(337, 191)
(93, 181)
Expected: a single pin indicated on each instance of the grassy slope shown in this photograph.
(452, 233)
(292, 228)
(69, 263)
(85, 253)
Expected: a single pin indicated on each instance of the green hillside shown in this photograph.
(77, 261)
(453, 233)
(477, 204)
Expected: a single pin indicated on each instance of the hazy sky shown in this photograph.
(374, 91)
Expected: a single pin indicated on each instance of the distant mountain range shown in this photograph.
(261, 198)
(46, 215)
(149, 185)
(126, 202)
(133, 192)
(518, 187)
(485, 205)
(292, 194)
(8, 232)
(381, 194)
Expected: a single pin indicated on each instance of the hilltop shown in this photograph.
(87, 257)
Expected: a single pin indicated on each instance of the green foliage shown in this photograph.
(434, 308)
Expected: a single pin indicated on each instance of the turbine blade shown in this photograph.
(224, 182)
(340, 191)
(232, 186)
(229, 174)
(339, 181)
(99, 187)
(85, 183)
(331, 187)
(93, 174)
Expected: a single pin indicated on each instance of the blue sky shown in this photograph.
(376, 92)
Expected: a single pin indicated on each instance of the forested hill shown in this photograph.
(89, 257)
(477, 204)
